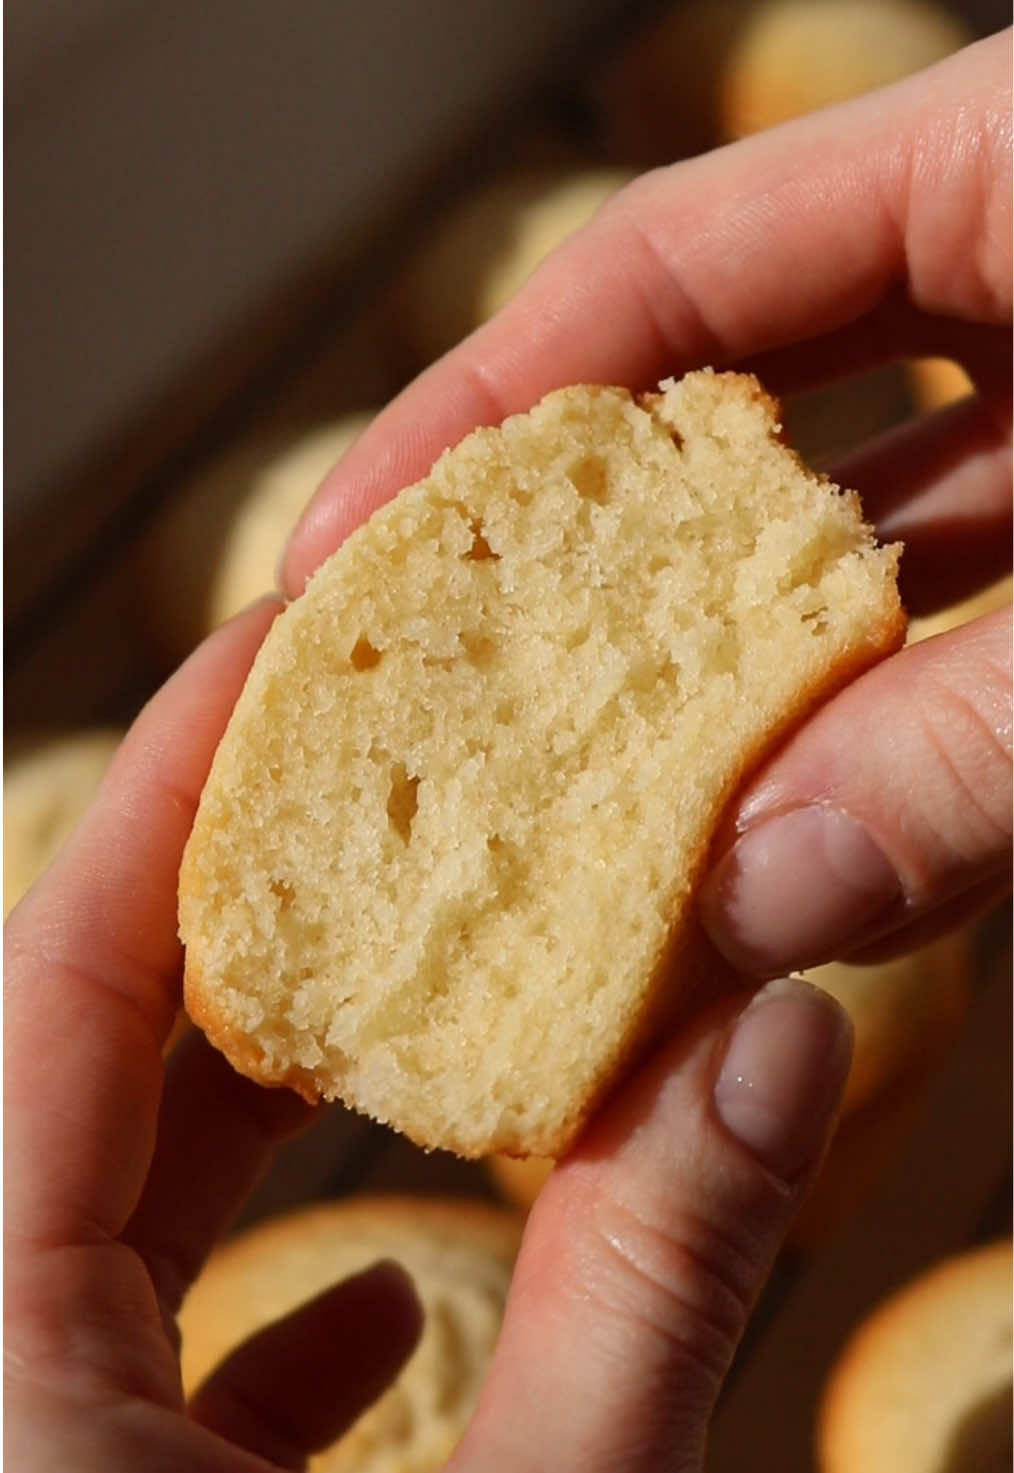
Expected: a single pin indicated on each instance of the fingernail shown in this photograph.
(783, 1073)
(795, 889)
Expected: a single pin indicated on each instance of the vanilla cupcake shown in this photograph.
(217, 545)
(937, 382)
(924, 1385)
(460, 1256)
(445, 862)
(711, 70)
(795, 56)
(487, 247)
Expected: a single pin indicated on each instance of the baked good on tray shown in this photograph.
(460, 1255)
(924, 1384)
(706, 71)
(487, 244)
(216, 546)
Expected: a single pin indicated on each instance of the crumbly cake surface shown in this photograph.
(444, 863)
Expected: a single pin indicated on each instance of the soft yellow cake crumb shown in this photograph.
(445, 861)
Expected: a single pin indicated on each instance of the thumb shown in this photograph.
(649, 1244)
(886, 818)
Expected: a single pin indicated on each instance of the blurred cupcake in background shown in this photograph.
(708, 71)
(217, 545)
(487, 245)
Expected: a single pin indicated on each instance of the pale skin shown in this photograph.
(876, 230)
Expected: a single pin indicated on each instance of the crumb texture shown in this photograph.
(452, 833)
(460, 1257)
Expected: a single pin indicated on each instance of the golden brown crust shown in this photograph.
(690, 955)
(241, 1050)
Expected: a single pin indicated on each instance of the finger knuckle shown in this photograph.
(681, 1281)
(967, 730)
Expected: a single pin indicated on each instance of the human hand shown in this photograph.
(640, 1262)
(118, 1181)
(650, 1243)
(875, 230)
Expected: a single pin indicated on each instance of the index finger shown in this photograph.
(93, 965)
(788, 236)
